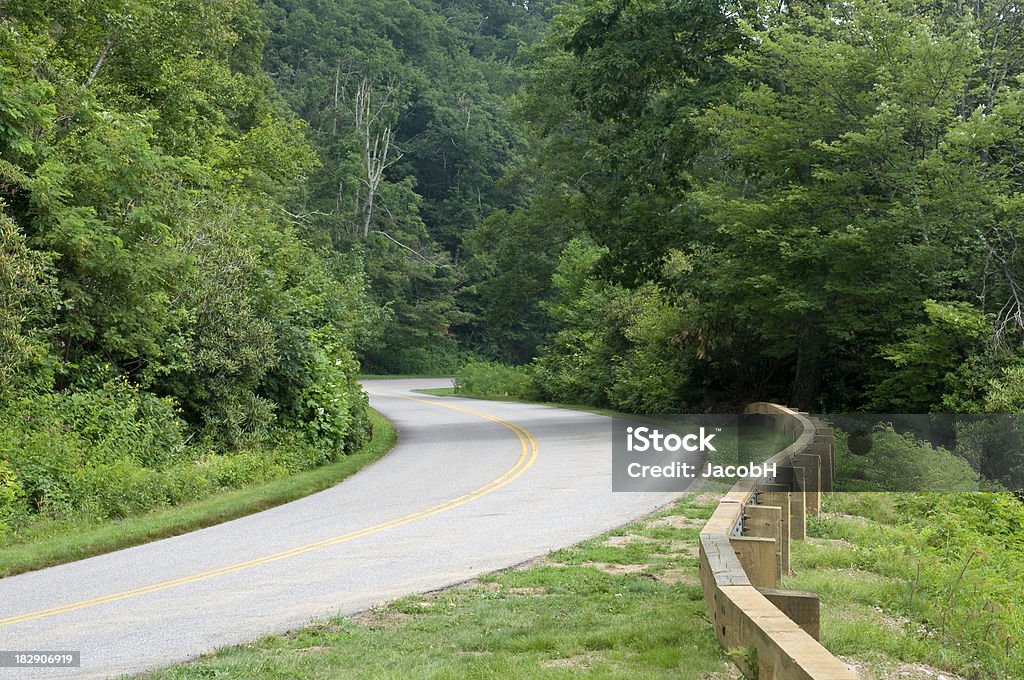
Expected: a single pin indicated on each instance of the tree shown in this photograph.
(377, 138)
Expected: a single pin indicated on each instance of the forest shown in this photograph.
(216, 214)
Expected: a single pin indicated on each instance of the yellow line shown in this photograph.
(527, 457)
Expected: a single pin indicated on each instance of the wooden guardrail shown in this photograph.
(744, 548)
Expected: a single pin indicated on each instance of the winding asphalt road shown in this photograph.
(472, 486)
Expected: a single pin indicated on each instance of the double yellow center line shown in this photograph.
(527, 457)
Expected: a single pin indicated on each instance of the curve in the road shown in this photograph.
(526, 459)
(464, 492)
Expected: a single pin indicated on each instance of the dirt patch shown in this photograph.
(382, 617)
(313, 650)
(686, 576)
(893, 670)
(679, 522)
(623, 541)
(681, 549)
(706, 498)
(617, 569)
(577, 661)
(891, 621)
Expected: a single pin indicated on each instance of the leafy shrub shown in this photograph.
(108, 453)
(901, 462)
(652, 375)
(439, 357)
(186, 482)
(489, 379)
(576, 363)
(11, 498)
(334, 406)
(240, 421)
(241, 469)
(117, 490)
(28, 295)
(42, 456)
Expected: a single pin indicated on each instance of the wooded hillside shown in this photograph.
(214, 212)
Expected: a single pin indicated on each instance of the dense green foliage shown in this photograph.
(815, 204)
(165, 332)
(407, 105)
(493, 381)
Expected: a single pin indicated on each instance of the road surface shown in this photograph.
(471, 487)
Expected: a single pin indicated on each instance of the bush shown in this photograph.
(112, 422)
(115, 450)
(118, 490)
(492, 380)
(438, 357)
(241, 469)
(187, 482)
(901, 462)
(11, 498)
(334, 405)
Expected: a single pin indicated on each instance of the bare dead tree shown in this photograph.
(99, 63)
(377, 138)
(1001, 260)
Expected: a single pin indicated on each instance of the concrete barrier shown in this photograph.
(744, 550)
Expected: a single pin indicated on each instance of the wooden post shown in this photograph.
(794, 477)
(812, 479)
(779, 496)
(757, 555)
(765, 521)
(824, 445)
(801, 606)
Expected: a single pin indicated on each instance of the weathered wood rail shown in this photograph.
(745, 547)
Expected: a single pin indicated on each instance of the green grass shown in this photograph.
(441, 392)
(55, 542)
(887, 600)
(625, 605)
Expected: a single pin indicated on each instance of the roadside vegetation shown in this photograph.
(912, 581)
(909, 579)
(51, 541)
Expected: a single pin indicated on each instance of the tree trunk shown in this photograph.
(807, 380)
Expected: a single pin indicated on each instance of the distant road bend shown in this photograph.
(472, 486)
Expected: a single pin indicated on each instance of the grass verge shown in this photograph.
(901, 595)
(627, 605)
(443, 392)
(60, 542)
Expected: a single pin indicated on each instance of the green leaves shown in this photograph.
(836, 168)
(152, 292)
